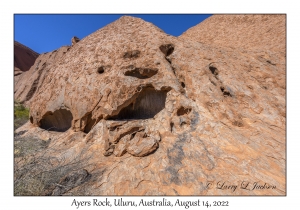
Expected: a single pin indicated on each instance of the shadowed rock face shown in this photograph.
(24, 57)
(153, 114)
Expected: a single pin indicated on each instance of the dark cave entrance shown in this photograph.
(146, 105)
(60, 120)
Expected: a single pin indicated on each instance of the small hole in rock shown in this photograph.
(100, 70)
(167, 49)
(225, 92)
(31, 119)
(182, 84)
(172, 126)
(182, 110)
(132, 135)
(213, 70)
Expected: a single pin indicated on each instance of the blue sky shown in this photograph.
(45, 33)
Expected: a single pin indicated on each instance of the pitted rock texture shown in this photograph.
(29, 82)
(186, 114)
(237, 31)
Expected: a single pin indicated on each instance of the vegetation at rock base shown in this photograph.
(36, 174)
(21, 115)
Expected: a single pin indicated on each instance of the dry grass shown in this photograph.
(37, 168)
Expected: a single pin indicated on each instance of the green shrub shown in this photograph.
(21, 115)
(21, 111)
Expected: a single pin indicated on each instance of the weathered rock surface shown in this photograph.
(152, 114)
(246, 32)
(30, 81)
(24, 58)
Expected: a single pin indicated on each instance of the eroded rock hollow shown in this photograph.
(60, 120)
(146, 105)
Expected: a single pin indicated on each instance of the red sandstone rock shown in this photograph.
(24, 58)
(29, 82)
(152, 114)
(243, 32)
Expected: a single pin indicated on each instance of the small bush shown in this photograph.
(21, 115)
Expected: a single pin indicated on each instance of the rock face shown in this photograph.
(248, 32)
(152, 114)
(30, 81)
(24, 58)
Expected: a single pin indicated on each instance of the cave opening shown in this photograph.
(60, 120)
(146, 105)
